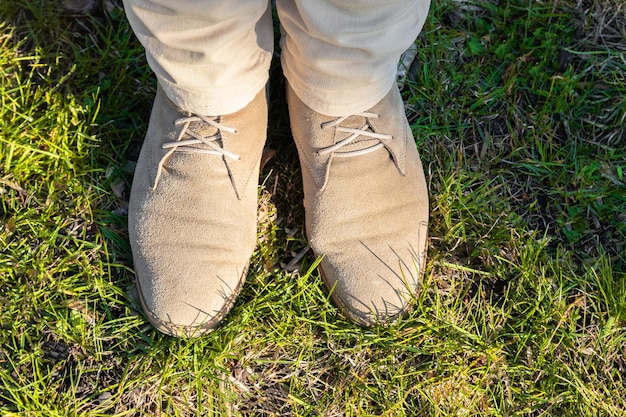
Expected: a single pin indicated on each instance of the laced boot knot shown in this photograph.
(190, 141)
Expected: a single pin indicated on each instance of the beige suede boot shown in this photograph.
(366, 205)
(192, 213)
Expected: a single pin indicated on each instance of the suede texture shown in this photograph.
(193, 231)
(366, 215)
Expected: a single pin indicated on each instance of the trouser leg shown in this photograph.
(210, 57)
(340, 56)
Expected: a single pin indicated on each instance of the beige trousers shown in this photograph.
(212, 56)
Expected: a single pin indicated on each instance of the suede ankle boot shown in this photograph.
(192, 213)
(366, 205)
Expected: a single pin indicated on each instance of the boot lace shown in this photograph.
(363, 131)
(196, 143)
(354, 133)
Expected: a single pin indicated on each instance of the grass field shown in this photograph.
(519, 112)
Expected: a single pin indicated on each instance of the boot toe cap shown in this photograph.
(372, 289)
(179, 311)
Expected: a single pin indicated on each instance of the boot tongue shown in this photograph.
(345, 144)
(205, 130)
(360, 142)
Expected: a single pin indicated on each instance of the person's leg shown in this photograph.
(193, 203)
(365, 192)
(340, 56)
(210, 57)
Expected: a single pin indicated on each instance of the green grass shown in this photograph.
(519, 112)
